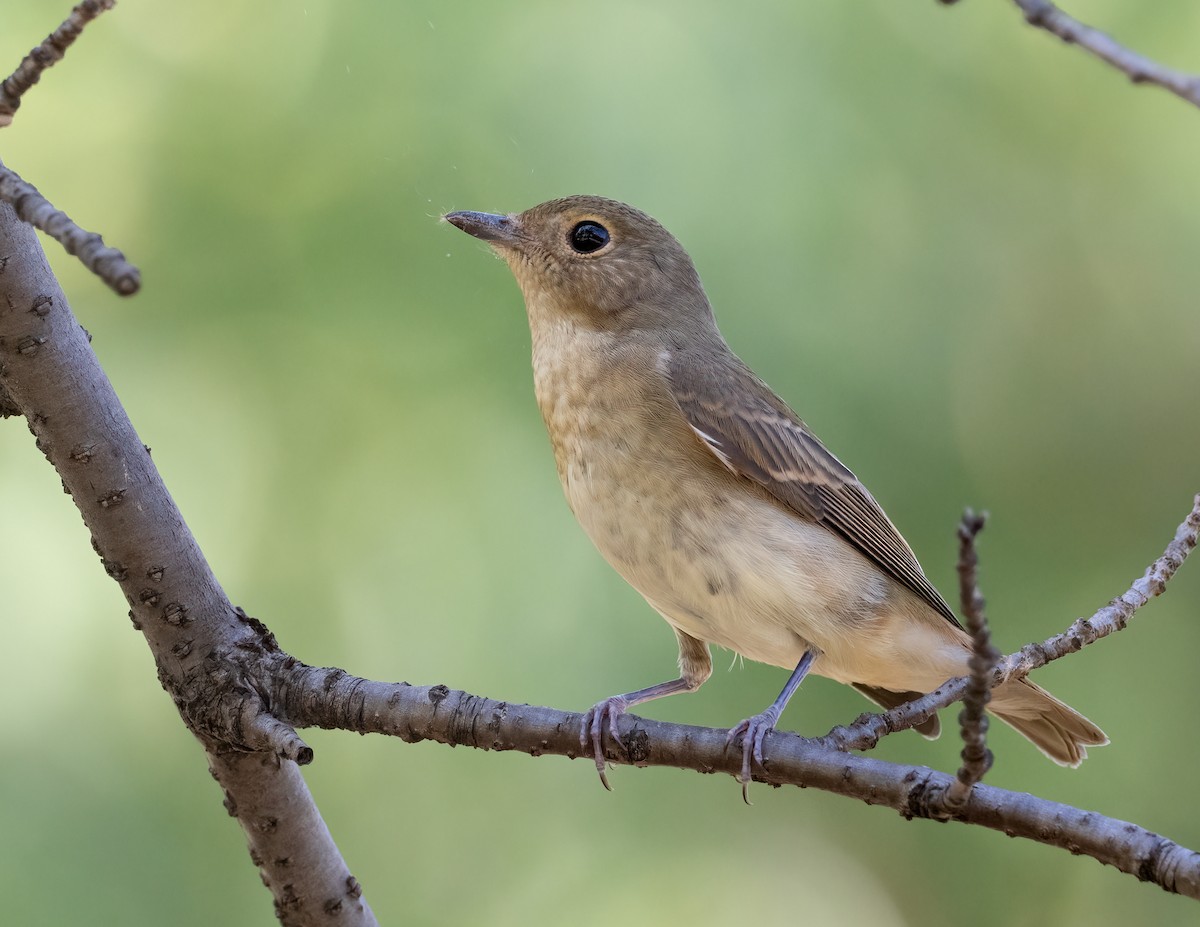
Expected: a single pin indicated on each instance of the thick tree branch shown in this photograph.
(866, 732)
(211, 657)
(107, 263)
(48, 53)
(330, 698)
(269, 796)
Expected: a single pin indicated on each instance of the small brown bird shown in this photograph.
(711, 497)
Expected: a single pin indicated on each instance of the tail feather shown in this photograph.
(1054, 727)
(930, 728)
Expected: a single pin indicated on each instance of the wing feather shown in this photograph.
(760, 438)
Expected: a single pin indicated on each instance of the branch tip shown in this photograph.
(46, 55)
(270, 735)
(1042, 14)
(109, 264)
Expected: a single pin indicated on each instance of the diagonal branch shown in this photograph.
(210, 656)
(866, 732)
(45, 55)
(1140, 69)
(107, 263)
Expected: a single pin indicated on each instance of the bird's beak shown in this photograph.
(486, 226)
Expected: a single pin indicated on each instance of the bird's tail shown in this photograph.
(1054, 727)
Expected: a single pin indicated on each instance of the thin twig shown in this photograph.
(49, 53)
(867, 731)
(1139, 69)
(107, 263)
(976, 757)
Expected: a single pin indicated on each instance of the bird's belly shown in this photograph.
(724, 563)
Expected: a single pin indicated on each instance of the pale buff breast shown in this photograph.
(716, 556)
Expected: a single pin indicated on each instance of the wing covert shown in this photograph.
(761, 439)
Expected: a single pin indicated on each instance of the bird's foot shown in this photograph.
(591, 730)
(752, 731)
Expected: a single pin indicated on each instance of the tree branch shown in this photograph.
(107, 263)
(973, 720)
(331, 698)
(211, 657)
(45, 55)
(866, 732)
(1141, 70)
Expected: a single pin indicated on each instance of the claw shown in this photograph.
(752, 731)
(606, 712)
(591, 730)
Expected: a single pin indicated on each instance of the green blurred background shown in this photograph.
(966, 253)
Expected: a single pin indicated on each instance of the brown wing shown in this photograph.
(758, 437)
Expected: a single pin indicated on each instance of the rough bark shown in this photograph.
(210, 655)
(330, 698)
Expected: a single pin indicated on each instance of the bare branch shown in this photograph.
(866, 732)
(107, 263)
(1139, 69)
(49, 53)
(211, 657)
(969, 594)
(331, 698)
(977, 758)
(290, 842)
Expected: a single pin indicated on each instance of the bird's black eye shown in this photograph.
(587, 237)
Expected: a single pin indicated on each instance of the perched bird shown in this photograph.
(711, 497)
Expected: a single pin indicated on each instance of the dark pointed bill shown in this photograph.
(485, 226)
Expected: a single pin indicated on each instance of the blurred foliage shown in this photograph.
(966, 253)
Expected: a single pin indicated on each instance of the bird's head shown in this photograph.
(599, 263)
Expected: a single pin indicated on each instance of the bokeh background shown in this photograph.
(966, 253)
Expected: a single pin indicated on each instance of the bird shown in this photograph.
(712, 498)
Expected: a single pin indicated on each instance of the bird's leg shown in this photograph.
(695, 666)
(753, 730)
(607, 711)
